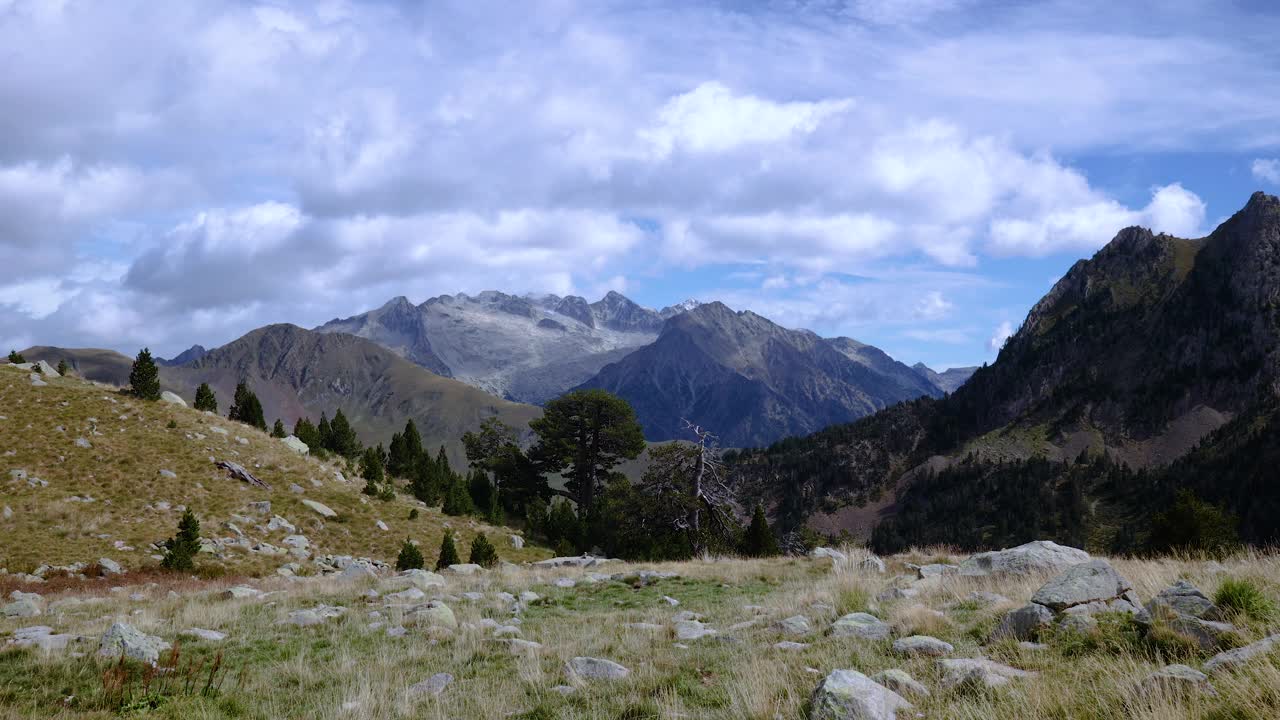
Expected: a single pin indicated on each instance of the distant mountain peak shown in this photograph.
(191, 354)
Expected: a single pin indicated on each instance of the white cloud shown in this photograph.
(1002, 334)
(1266, 170)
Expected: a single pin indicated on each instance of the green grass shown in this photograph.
(1245, 597)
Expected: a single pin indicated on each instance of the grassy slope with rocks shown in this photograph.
(350, 667)
(121, 473)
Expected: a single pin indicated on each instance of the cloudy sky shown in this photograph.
(912, 173)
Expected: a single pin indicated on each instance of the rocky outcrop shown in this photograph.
(122, 639)
(1232, 659)
(861, 625)
(1090, 587)
(850, 695)
(1040, 556)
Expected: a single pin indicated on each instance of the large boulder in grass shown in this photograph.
(1024, 623)
(861, 625)
(172, 399)
(1039, 556)
(1183, 598)
(1177, 680)
(1240, 656)
(978, 672)
(432, 614)
(850, 695)
(923, 646)
(589, 668)
(1094, 583)
(124, 639)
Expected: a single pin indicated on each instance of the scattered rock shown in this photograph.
(41, 637)
(861, 625)
(900, 682)
(1025, 623)
(795, 625)
(517, 542)
(261, 506)
(432, 614)
(433, 685)
(1178, 680)
(381, 526)
(172, 399)
(872, 564)
(123, 639)
(692, 630)
(922, 645)
(241, 592)
(296, 489)
(319, 508)
(825, 552)
(23, 607)
(110, 567)
(1039, 556)
(238, 472)
(279, 523)
(465, 569)
(978, 671)
(1240, 656)
(790, 645)
(202, 634)
(589, 668)
(1183, 598)
(83, 443)
(168, 474)
(317, 615)
(935, 570)
(417, 578)
(358, 570)
(850, 695)
(1091, 582)
(293, 443)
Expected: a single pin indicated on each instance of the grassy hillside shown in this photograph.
(350, 667)
(111, 491)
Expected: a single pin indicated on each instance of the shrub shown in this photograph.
(1193, 525)
(448, 552)
(413, 514)
(246, 408)
(759, 540)
(277, 431)
(62, 367)
(410, 557)
(180, 550)
(172, 424)
(16, 358)
(482, 552)
(1246, 598)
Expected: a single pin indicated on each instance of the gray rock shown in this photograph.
(1025, 623)
(901, 683)
(1178, 680)
(1183, 598)
(278, 523)
(123, 639)
(22, 608)
(935, 570)
(45, 368)
(647, 627)
(261, 506)
(1040, 556)
(1088, 582)
(564, 689)
(1235, 658)
(1207, 633)
(432, 614)
(168, 474)
(922, 646)
(825, 552)
(357, 571)
(465, 569)
(110, 567)
(861, 625)
(202, 634)
(519, 646)
(795, 625)
(979, 672)
(589, 668)
(850, 695)
(895, 593)
(320, 509)
(790, 645)
(293, 443)
(692, 630)
(41, 637)
(172, 399)
(296, 489)
(83, 443)
(433, 685)
(517, 542)
(872, 564)
(417, 578)
(405, 597)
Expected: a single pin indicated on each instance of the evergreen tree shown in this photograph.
(246, 408)
(482, 552)
(62, 367)
(306, 431)
(180, 550)
(205, 399)
(759, 540)
(442, 461)
(342, 439)
(410, 557)
(144, 378)
(324, 432)
(457, 497)
(16, 358)
(588, 433)
(448, 552)
(562, 524)
(406, 451)
(371, 471)
(277, 431)
(481, 490)
(427, 484)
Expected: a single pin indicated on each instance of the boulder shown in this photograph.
(417, 578)
(22, 608)
(293, 443)
(935, 570)
(1025, 623)
(202, 634)
(357, 571)
(692, 630)
(172, 399)
(1240, 656)
(795, 625)
(278, 523)
(1039, 556)
(850, 695)
(317, 615)
(517, 542)
(1208, 634)
(41, 637)
(44, 368)
(978, 671)
(320, 509)
(790, 645)
(1183, 598)
(465, 569)
(589, 668)
(240, 592)
(825, 552)
(123, 639)
(581, 561)
(922, 646)
(1091, 582)
(110, 567)
(432, 614)
(1178, 680)
(405, 597)
(861, 625)
(432, 686)
(872, 564)
(900, 682)
(238, 472)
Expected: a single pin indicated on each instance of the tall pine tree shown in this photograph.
(246, 408)
(342, 438)
(278, 430)
(759, 540)
(427, 484)
(144, 377)
(205, 399)
(448, 552)
(180, 550)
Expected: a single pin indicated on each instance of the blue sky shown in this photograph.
(912, 173)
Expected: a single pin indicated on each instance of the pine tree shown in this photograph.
(406, 452)
(246, 408)
(410, 557)
(180, 550)
(371, 471)
(759, 540)
(278, 430)
(205, 399)
(426, 484)
(483, 552)
(62, 367)
(306, 431)
(16, 358)
(481, 490)
(144, 378)
(324, 432)
(343, 440)
(448, 552)
(457, 498)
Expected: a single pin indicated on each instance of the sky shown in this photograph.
(911, 173)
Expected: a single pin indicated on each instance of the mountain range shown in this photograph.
(1127, 367)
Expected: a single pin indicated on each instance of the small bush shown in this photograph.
(1246, 598)
(448, 552)
(410, 557)
(413, 514)
(850, 600)
(482, 552)
(180, 550)
(172, 424)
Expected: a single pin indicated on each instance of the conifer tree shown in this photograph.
(62, 367)
(144, 378)
(442, 461)
(16, 358)
(481, 490)
(180, 550)
(325, 433)
(343, 439)
(426, 484)
(457, 498)
(410, 557)
(483, 552)
(448, 552)
(371, 471)
(406, 451)
(205, 399)
(759, 540)
(306, 431)
(246, 408)
(278, 430)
